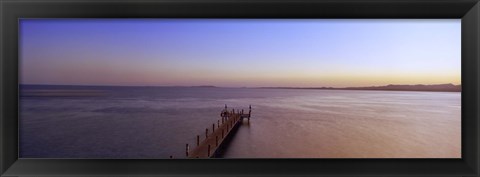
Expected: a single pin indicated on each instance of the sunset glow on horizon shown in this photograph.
(240, 52)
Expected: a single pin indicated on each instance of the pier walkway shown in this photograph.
(207, 145)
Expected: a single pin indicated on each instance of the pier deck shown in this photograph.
(208, 144)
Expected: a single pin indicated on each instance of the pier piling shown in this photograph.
(208, 150)
(198, 140)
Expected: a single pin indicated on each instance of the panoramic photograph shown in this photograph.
(239, 88)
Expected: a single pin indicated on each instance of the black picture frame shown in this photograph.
(466, 10)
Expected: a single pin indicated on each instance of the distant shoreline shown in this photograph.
(418, 87)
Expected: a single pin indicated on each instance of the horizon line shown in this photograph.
(237, 86)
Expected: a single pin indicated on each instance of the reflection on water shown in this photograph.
(156, 122)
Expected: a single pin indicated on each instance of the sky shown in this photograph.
(240, 52)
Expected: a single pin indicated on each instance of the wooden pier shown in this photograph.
(207, 145)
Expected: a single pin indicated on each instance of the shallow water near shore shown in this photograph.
(157, 122)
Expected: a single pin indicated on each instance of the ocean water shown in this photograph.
(157, 122)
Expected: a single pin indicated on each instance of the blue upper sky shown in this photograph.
(239, 52)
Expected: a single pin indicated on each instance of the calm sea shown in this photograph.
(157, 122)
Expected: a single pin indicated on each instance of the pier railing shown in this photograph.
(207, 145)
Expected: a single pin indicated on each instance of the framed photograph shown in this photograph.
(239, 88)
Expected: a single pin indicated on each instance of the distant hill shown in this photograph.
(418, 87)
(204, 86)
(391, 87)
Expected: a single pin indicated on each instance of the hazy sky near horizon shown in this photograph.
(239, 52)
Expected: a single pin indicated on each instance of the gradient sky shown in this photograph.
(239, 52)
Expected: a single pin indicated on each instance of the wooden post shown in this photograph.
(218, 123)
(242, 111)
(216, 140)
(223, 118)
(213, 128)
(206, 133)
(187, 149)
(198, 140)
(249, 110)
(208, 150)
